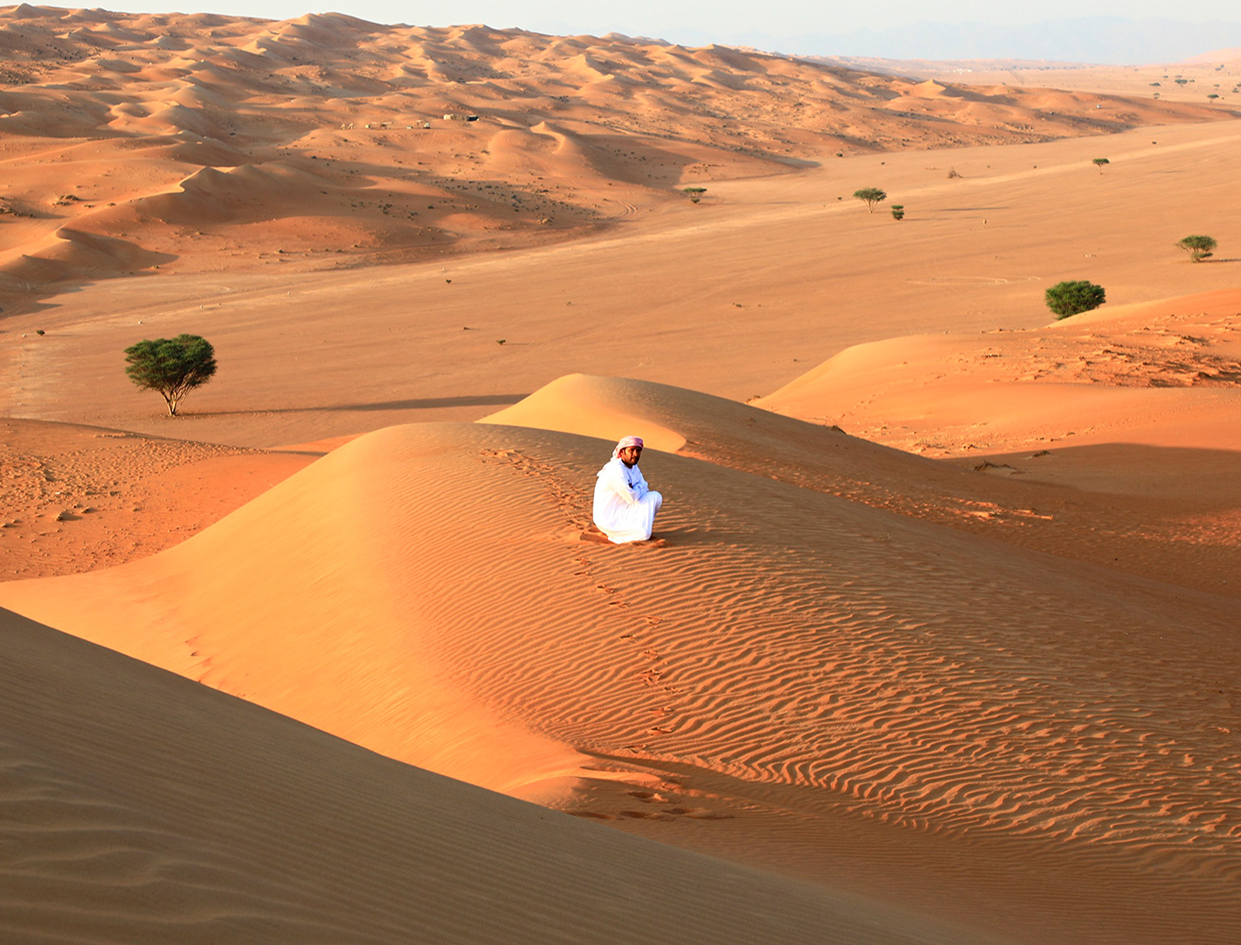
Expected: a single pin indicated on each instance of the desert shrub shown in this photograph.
(872, 196)
(1073, 298)
(898, 211)
(172, 366)
(1198, 247)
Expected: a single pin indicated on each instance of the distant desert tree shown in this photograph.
(694, 193)
(872, 196)
(172, 366)
(1198, 247)
(1099, 162)
(1072, 298)
(898, 211)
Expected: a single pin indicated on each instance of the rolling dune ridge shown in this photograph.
(354, 142)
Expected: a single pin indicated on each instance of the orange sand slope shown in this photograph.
(1153, 512)
(1164, 373)
(77, 498)
(204, 143)
(1139, 405)
(140, 808)
(785, 657)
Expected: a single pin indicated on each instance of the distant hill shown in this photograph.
(1103, 39)
(1217, 56)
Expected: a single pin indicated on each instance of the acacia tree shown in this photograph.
(1198, 247)
(1099, 162)
(1072, 298)
(872, 196)
(172, 366)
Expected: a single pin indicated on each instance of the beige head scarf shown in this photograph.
(624, 442)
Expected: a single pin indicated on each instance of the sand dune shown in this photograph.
(1162, 373)
(140, 807)
(1160, 513)
(893, 672)
(70, 254)
(982, 687)
(327, 94)
(1137, 405)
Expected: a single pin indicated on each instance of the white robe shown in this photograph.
(625, 506)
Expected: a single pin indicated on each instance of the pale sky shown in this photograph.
(653, 17)
(702, 21)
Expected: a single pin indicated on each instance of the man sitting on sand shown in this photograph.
(625, 506)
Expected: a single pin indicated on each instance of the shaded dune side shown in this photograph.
(925, 679)
(140, 808)
(69, 252)
(244, 193)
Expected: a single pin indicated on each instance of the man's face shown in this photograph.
(629, 455)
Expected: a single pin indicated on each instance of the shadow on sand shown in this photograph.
(426, 403)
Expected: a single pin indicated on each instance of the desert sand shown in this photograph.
(938, 640)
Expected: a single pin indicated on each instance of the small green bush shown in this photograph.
(872, 196)
(1198, 247)
(1073, 298)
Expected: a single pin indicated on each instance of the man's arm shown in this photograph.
(619, 484)
(640, 488)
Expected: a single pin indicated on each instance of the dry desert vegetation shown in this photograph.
(940, 639)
